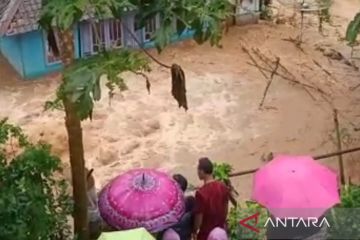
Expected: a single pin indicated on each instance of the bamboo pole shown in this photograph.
(328, 155)
(338, 138)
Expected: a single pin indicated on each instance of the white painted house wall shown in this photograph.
(248, 6)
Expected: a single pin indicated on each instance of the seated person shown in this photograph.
(184, 227)
(95, 220)
(189, 200)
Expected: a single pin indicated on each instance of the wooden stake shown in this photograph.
(320, 14)
(301, 27)
(269, 82)
(339, 147)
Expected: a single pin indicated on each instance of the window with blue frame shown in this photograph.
(51, 43)
(115, 32)
(150, 28)
(98, 36)
(106, 34)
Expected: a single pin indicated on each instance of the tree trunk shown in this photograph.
(76, 147)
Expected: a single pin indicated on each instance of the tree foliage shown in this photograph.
(33, 201)
(63, 14)
(82, 81)
(353, 30)
(204, 17)
(222, 171)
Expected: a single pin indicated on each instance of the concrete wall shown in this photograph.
(248, 12)
(248, 6)
(10, 48)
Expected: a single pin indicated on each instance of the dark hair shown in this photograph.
(181, 180)
(89, 173)
(205, 165)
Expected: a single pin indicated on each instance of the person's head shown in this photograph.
(217, 234)
(170, 234)
(181, 180)
(205, 168)
(89, 178)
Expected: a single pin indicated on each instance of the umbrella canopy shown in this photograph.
(134, 234)
(142, 198)
(296, 186)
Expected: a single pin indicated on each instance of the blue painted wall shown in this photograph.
(187, 34)
(33, 49)
(10, 48)
(129, 21)
(26, 52)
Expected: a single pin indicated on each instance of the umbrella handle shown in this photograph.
(143, 180)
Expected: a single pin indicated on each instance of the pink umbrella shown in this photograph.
(142, 198)
(296, 186)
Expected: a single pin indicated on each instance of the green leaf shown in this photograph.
(353, 29)
(222, 171)
(180, 26)
(204, 17)
(74, 97)
(163, 37)
(85, 107)
(82, 80)
(97, 90)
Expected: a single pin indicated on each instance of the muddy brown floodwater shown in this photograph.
(224, 122)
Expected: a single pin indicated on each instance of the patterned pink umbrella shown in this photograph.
(296, 186)
(142, 198)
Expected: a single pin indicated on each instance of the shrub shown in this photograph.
(350, 196)
(222, 171)
(244, 211)
(345, 219)
(34, 204)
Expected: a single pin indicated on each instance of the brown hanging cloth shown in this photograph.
(178, 87)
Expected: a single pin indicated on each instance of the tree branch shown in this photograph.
(269, 82)
(261, 69)
(148, 84)
(142, 48)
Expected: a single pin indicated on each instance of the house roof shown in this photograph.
(19, 16)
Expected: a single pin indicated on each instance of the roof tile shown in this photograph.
(24, 18)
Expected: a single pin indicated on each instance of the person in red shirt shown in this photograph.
(211, 202)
